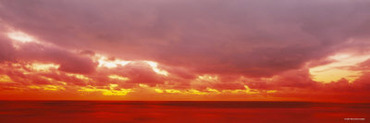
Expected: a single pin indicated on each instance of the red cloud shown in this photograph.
(233, 45)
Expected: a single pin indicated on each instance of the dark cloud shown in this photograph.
(69, 62)
(6, 50)
(228, 39)
(141, 72)
(252, 38)
(15, 51)
(289, 79)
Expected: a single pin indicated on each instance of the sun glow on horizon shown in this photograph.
(112, 91)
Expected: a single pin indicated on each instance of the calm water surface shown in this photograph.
(181, 112)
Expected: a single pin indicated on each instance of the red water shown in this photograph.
(181, 112)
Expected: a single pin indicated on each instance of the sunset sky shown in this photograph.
(196, 50)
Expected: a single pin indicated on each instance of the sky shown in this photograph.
(195, 50)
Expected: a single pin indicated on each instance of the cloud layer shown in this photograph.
(224, 45)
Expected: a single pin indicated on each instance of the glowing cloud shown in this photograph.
(117, 77)
(105, 62)
(42, 67)
(47, 87)
(79, 76)
(339, 68)
(5, 79)
(155, 68)
(20, 37)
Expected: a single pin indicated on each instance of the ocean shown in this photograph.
(181, 112)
